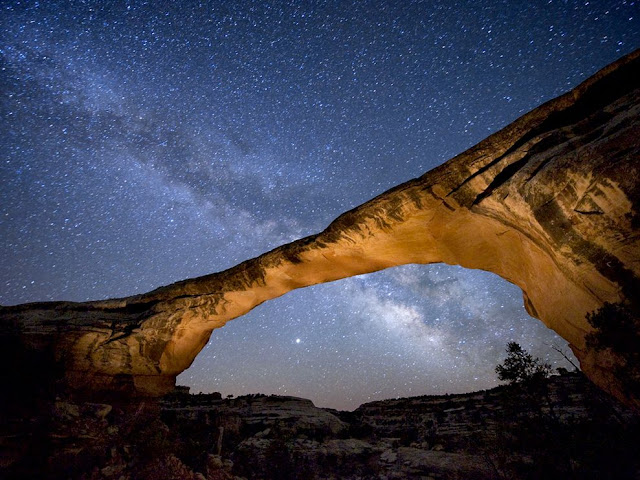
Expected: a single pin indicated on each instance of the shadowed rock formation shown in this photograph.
(566, 430)
(550, 203)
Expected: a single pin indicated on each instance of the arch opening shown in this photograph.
(405, 331)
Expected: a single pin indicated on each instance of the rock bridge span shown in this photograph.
(550, 203)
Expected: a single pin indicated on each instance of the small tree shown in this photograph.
(521, 367)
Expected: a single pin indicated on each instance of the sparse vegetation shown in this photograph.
(521, 367)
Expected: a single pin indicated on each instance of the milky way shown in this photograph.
(147, 142)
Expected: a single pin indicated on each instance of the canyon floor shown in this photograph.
(561, 428)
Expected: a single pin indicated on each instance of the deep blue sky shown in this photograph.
(147, 142)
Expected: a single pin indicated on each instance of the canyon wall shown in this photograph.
(550, 203)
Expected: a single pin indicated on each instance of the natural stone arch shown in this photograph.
(407, 328)
(549, 203)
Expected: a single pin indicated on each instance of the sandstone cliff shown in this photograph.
(568, 429)
(549, 203)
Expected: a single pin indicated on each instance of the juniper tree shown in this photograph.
(521, 367)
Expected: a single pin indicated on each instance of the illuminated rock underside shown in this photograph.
(549, 203)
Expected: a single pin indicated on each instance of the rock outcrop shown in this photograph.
(568, 429)
(549, 203)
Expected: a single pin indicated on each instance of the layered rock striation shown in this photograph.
(555, 430)
(550, 203)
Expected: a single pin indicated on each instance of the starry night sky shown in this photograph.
(147, 142)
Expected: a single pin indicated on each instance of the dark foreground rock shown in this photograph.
(564, 428)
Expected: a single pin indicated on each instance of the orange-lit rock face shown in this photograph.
(548, 203)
